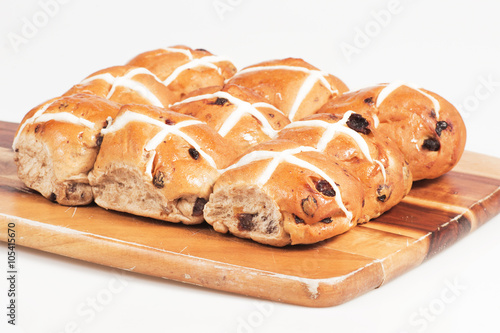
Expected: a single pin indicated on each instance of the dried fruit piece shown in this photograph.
(159, 180)
(53, 197)
(245, 221)
(358, 123)
(325, 188)
(219, 101)
(198, 206)
(383, 193)
(440, 126)
(309, 205)
(98, 140)
(327, 220)
(194, 153)
(431, 144)
(298, 220)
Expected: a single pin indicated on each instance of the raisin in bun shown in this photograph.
(237, 113)
(184, 70)
(57, 143)
(126, 85)
(159, 164)
(427, 129)
(283, 193)
(292, 85)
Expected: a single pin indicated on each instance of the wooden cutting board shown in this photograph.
(435, 215)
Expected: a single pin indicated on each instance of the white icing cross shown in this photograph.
(306, 87)
(384, 93)
(40, 117)
(201, 62)
(242, 108)
(207, 61)
(152, 144)
(288, 156)
(331, 129)
(127, 81)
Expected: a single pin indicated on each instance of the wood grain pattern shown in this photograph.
(435, 215)
(7, 132)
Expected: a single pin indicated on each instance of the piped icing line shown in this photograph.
(103, 76)
(64, 117)
(304, 90)
(338, 198)
(313, 77)
(149, 163)
(331, 129)
(109, 78)
(288, 156)
(387, 90)
(267, 105)
(41, 117)
(320, 75)
(376, 121)
(30, 121)
(129, 116)
(128, 82)
(175, 130)
(242, 108)
(187, 53)
(382, 168)
(207, 61)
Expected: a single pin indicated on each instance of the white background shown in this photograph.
(449, 47)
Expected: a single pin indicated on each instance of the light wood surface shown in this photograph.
(435, 215)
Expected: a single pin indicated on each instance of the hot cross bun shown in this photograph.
(159, 164)
(282, 192)
(57, 143)
(184, 70)
(427, 129)
(292, 85)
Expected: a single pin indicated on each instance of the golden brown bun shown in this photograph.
(294, 204)
(235, 114)
(431, 140)
(292, 85)
(165, 176)
(126, 85)
(54, 156)
(384, 173)
(201, 68)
